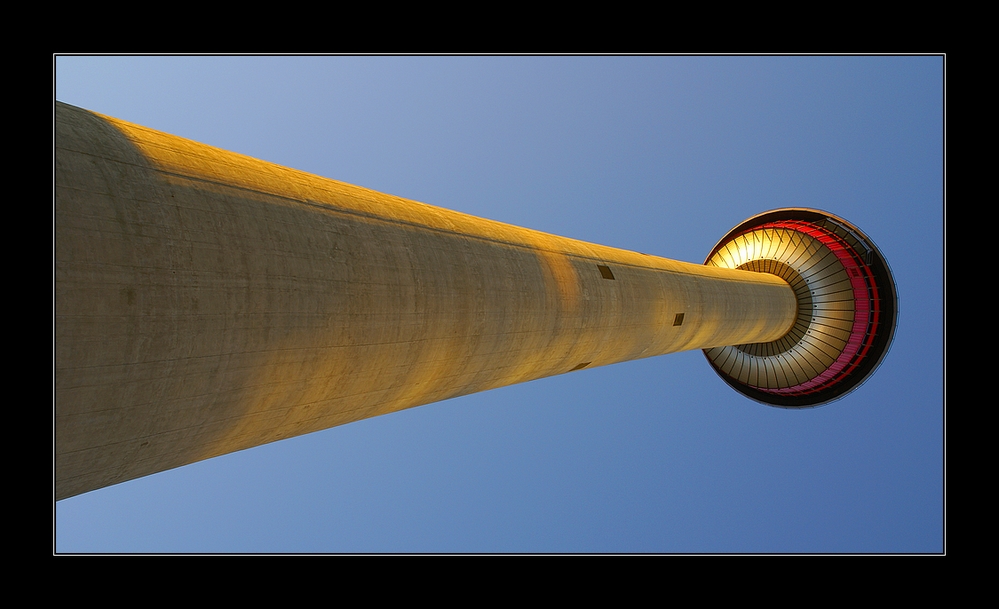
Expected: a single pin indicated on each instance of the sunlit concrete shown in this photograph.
(208, 302)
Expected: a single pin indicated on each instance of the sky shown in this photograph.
(658, 154)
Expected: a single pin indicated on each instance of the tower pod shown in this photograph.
(847, 308)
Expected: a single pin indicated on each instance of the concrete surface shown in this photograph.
(208, 302)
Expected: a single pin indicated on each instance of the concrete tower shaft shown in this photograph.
(208, 302)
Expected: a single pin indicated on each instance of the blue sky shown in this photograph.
(661, 155)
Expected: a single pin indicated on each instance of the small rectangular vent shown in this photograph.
(580, 366)
(605, 272)
(678, 319)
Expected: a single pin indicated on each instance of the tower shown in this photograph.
(208, 302)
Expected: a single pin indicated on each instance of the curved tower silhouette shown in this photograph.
(208, 302)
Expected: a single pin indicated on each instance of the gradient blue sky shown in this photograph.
(661, 155)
